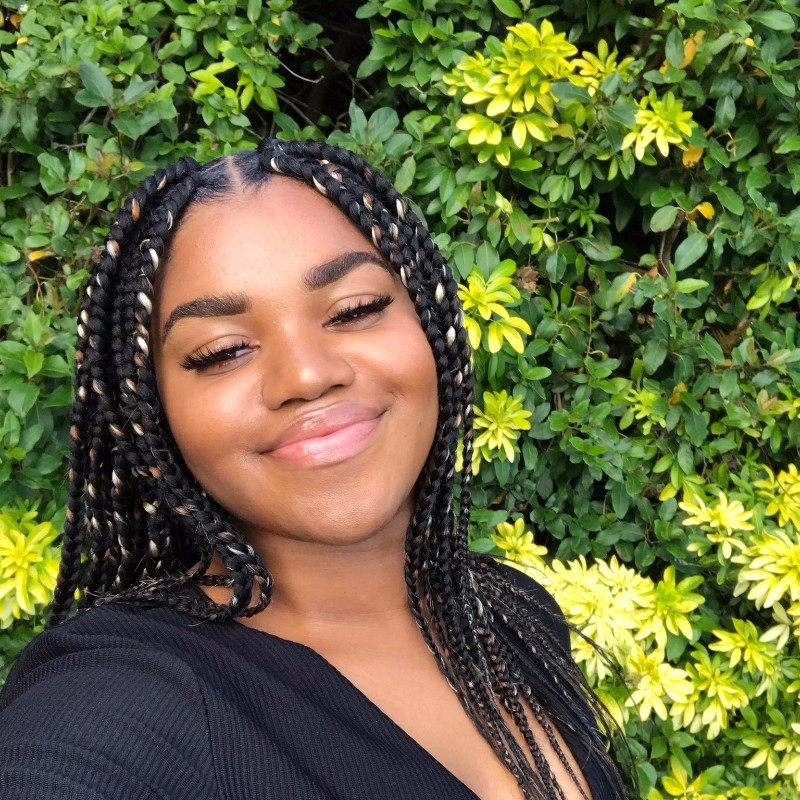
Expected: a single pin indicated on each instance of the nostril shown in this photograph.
(305, 371)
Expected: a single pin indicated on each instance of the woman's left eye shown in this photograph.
(360, 309)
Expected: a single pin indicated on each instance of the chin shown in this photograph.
(339, 523)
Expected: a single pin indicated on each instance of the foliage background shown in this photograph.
(614, 183)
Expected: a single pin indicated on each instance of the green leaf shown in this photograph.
(33, 362)
(55, 367)
(253, 10)
(53, 163)
(729, 198)
(174, 73)
(486, 259)
(463, 259)
(12, 356)
(712, 349)
(90, 99)
(32, 329)
(22, 398)
(724, 113)
(382, 124)
(565, 90)
(790, 145)
(696, 424)
(30, 436)
(663, 463)
(600, 251)
(664, 218)
(8, 253)
(509, 8)
(96, 81)
(135, 91)
(420, 28)
(654, 355)
(685, 458)
(537, 373)
(482, 545)
(136, 125)
(729, 385)
(674, 48)
(612, 294)
(775, 20)
(688, 285)
(623, 112)
(405, 175)
(690, 251)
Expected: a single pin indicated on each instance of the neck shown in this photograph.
(337, 583)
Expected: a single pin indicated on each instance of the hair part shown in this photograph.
(140, 529)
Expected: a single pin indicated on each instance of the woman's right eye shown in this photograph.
(209, 357)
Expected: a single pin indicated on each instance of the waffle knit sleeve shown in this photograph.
(99, 717)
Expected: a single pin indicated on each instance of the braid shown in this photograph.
(128, 492)
(140, 529)
(452, 595)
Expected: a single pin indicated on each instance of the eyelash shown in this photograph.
(360, 310)
(204, 359)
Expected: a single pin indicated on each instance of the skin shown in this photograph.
(330, 529)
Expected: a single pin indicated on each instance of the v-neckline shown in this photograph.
(374, 707)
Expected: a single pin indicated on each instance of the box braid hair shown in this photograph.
(140, 529)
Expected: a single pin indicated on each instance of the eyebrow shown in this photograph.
(225, 305)
(232, 304)
(335, 269)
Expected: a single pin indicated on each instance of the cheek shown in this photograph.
(415, 358)
(207, 426)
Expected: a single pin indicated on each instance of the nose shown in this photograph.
(304, 367)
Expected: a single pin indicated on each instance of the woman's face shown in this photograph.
(292, 367)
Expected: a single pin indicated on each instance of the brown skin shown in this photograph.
(331, 530)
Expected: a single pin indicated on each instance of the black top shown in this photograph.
(127, 703)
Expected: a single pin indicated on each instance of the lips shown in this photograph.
(330, 435)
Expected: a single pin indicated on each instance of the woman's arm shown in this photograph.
(99, 717)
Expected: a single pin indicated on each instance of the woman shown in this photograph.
(264, 443)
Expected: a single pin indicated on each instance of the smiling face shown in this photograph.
(295, 376)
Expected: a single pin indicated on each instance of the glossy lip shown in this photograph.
(327, 436)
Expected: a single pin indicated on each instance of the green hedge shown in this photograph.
(615, 185)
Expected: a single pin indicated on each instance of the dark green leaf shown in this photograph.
(96, 81)
(775, 20)
(135, 91)
(623, 112)
(696, 423)
(725, 113)
(729, 198)
(674, 48)
(655, 352)
(711, 347)
(600, 251)
(690, 251)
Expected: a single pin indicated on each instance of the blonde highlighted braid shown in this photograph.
(140, 529)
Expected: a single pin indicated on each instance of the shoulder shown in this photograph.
(101, 695)
(103, 636)
(543, 604)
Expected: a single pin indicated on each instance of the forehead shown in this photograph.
(265, 237)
